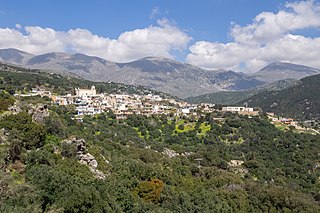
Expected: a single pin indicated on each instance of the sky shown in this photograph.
(242, 35)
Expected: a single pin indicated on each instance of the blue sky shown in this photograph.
(203, 19)
(233, 34)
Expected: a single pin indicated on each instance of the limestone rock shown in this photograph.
(98, 173)
(14, 109)
(79, 143)
(39, 113)
(86, 158)
(171, 153)
(3, 135)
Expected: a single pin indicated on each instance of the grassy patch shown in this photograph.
(281, 126)
(204, 127)
(187, 126)
(139, 133)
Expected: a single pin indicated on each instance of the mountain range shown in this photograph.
(162, 74)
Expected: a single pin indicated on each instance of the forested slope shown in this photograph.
(52, 163)
(299, 101)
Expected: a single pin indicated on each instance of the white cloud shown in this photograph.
(158, 40)
(154, 13)
(268, 26)
(269, 38)
(37, 40)
(219, 55)
(18, 26)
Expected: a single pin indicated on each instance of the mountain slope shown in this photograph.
(162, 74)
(14, 78)
(300, 101)
(233, 97)
(148, 163)
(14, 56)
(222, 97)
(280, 70)
(180, 79)
(145, 163)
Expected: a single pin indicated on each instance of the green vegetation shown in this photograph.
(23, 80)
(40, 172)
(281, 166)
(300, 101)
(234, 97)
(223, 97)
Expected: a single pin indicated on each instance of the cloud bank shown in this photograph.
(158, 40)
(270, 37)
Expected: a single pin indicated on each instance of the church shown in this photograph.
(86, 92)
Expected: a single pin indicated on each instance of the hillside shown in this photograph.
(215, 162)
(299, 101)
(234, 97)
(14, 78)
(223, 97)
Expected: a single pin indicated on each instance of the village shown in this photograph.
(89, 102)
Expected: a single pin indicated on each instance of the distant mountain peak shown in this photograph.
(283, 70)
(14, 55)
(276, 66)
(159, 60)
(13, 50)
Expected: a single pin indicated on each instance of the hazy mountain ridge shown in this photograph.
(162, 74)
(281, 70)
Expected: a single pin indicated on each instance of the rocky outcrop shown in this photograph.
(15, 109)
(171, 153)
(3, 135)
(91, 162)
(84, 157)
(236, 166)
(40, 112)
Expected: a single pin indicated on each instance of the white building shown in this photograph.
(240, 110)
(237, 109)
(86, 92)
